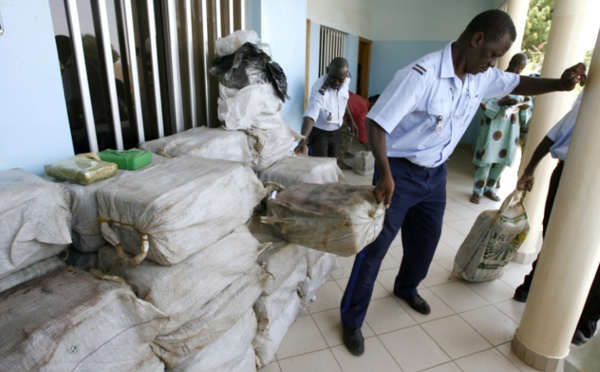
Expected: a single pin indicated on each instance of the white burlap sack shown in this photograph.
(231, 352)
(273, 141)
(276, 313)
(364, 163)
(179, 290)
(31, 272)
(493, 240)
(335, 218)
(319, 274)
(210, 321)
(279, 261)
(312, 257)
(85, 228)
(204, 142)
(68, 320)
(229, 44)
(308, 169)
(35, 220)
(178, 209)
(249, 107)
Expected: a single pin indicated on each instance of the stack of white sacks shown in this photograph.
(57, 318)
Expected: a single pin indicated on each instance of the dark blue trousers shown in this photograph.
(417, 206)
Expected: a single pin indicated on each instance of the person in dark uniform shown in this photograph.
(413, 128)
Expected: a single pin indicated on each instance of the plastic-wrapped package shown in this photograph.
(230, 43)
(81, 169)
(335, 218)
(249, 65)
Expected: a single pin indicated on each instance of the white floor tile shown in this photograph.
(446, 263)
(436, 275)
(345, 267)
(492, 324)
(413, 349)
(385, 315)
(489, 361)
(448, 232)
(455, 336)
(459, 296)
(512, 308)
(438, 308)
(513, 275)
(454, 242)
(378, 290)
(447, 367)
(317, 361)
(386, 278)
(271, 367)
(443, 250)
(463, 226)
(494, 290)
(389, 262)
(301, 338)
(376, 358)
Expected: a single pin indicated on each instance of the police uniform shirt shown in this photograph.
(426, 108)
(327, 106)
(562, 131)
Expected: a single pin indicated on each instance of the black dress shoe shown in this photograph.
(578, 338)
(520, 294)
(417, 303)
(354, 341)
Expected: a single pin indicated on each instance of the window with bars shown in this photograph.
(332, 45)
(138, 70)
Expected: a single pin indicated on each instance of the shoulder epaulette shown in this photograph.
(419, 69)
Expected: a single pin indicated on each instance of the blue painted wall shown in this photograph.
(282, 24)
(34, 127)
(389, 56)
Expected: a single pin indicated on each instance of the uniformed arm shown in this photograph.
(307, 126)
(350, 119)
(525, 182)
(530, 86)
(385, 185)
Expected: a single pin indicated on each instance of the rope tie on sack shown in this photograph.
(114, 240)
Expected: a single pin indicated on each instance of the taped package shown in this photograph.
(81, 169)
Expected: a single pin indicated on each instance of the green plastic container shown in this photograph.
(127, 159)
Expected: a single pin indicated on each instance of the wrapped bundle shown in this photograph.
(179, 290)
(248, 107)
(231, 352)
(69, 320)
(273, 141)
(31, 272)
(279, 260)
(364, 163)
(211, 321)
(85, 227)
(81, 169)
(308, 169)
(335, 218)
(318, 274)
(173, 211)
(35, 220)
(276, 313)
(204, 142)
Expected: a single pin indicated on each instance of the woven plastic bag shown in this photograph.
(493, 241)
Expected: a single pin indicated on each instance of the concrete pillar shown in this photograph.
(565, 48)
(571, 250)
(517, 9)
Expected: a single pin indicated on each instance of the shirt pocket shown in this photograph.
(437, 114)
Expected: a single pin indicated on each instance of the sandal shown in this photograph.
(491, 195)
(474, 199)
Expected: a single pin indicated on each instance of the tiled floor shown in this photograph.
(470, 326)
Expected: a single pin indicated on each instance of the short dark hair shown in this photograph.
(494, 24)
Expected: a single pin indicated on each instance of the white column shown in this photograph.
(517, 9)
(565, 48)
(571, 250)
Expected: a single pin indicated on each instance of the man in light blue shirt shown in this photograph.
(413, 128)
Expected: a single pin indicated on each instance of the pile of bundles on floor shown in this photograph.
(198, 261)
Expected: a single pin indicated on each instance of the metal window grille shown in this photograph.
(332, 45)
(150, 68)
